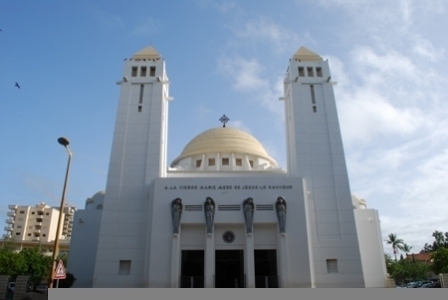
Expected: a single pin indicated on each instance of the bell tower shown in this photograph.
(138, 156)
(315, 153)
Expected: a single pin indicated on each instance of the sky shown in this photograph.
(388, 58)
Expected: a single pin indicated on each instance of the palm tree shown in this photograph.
(406, 248)
(396, 243)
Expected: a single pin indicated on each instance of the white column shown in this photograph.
(175, 258)
(283, 259)
(249, 261)
(209, 261)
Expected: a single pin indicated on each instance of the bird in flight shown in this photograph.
(17, 85)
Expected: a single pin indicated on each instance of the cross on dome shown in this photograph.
(224, 119)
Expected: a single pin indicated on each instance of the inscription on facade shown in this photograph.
(229, 187)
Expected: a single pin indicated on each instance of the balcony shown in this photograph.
(11, 214)
(8, 228)
(12, 206)
(10, 221)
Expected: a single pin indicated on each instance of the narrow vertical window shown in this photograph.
(143, 72)
(301, 72)
(310, 71)
(134, 71)
(152, 71)
(251, 163)
(140, 108)
(198, 163)
(319, 72)
(314, 109)
(313, 98)
(125, 267)
(141, 93)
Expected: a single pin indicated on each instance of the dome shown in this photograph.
(224, 140)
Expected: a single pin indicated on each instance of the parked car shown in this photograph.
(42, 288)
(12, 286)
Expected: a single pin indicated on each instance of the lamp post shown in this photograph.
(64, 142)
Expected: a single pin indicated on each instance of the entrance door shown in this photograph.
(229, 269)
(192, 270)
(266, 269)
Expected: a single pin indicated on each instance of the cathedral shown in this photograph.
(223, 214)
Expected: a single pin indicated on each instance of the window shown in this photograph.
(134, 71)
(313, 98)
(40, 213)
(125, 267)
(32, 212)
(152, 71)
(319, 72)
(140, 108)
(301, 72)
(238, 162)
(309, 70)
(332, 265)
(211, 161)
(44, 234)
(20, 219)
(225, 161)
(29, 234)
(251, 163)
(38, 227)
(198, 163)
(140, 100)
(19, 226)
(47, 214)
(38, 220)
(22, 211)
(314, 109)
(17, 233)
(143, 72)
(99, 206)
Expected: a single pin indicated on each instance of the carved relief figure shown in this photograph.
(209, 208)
(280, 206)
(248, 207)
(176, 213)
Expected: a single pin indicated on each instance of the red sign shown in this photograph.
(60, 271)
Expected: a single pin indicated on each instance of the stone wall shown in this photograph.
(444, 280)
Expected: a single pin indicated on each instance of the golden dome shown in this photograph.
(224, 140)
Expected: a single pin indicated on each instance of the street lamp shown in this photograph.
(64, 142)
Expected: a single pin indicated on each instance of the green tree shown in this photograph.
(440, 260)
(405, 269)
(406, 248)
(38, 264)
(396, 243)
(440, 241)
(11, 263)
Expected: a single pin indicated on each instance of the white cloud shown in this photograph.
(246, 76)
(221, 6)
(147, 27)
(262, 30)
(426, 49)
(110, 21)
(241, 125)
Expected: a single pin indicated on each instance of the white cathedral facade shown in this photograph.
(223, 214)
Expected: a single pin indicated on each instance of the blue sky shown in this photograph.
(229, 57)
